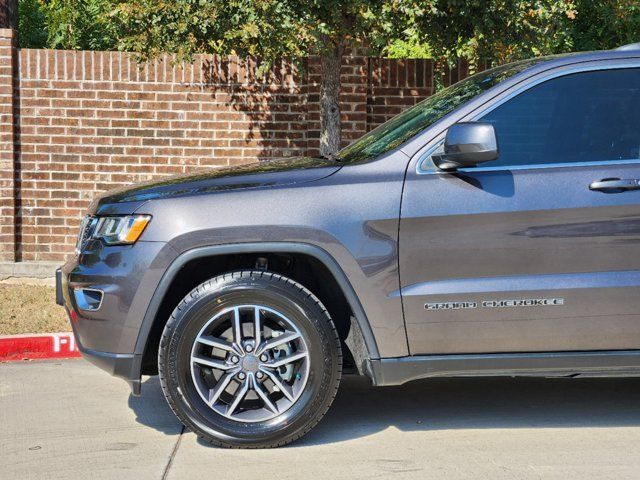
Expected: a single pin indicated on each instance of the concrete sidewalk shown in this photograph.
(68, 420)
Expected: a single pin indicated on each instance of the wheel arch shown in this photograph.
(360, 341)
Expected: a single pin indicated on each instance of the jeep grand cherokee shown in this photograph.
(492, 229)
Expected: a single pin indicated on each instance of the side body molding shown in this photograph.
(238, 248)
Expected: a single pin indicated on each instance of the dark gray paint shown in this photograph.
(278, 172)
(351, 213)
(463, 236)
(530, 227)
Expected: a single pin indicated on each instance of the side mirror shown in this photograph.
(466, 145)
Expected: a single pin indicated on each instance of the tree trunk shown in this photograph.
(330, 136)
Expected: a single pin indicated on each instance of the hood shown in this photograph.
(285, 171)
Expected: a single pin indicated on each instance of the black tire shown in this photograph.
(257, 288)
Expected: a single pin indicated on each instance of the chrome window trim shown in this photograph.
(517, 90)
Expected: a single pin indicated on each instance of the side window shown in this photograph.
(582, 117)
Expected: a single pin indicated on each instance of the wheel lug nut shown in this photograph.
(260, 375)
(264, 357)
(242, 376)
(249, 348)
(234, 359)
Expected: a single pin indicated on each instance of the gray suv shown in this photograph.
(492, 229)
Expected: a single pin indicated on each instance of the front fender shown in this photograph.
(238, 248)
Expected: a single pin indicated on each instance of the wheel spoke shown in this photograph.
(216, 343)
(237, 327)
(278, 383)
(286, 337)
(240, 394)
(222, 384)
(256, 325)
(210, 362)
(286, 360)
(263, 395)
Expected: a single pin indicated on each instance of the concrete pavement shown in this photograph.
(68, 420)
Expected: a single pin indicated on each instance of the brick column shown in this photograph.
(8, 58)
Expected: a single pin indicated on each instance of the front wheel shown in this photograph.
(250, 359)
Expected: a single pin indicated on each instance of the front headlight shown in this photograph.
(120, 230)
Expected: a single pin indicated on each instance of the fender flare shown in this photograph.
(238, 248)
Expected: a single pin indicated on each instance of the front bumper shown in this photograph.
(121, 365)
(127, 277)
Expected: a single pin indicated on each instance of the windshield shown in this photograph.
(401, 128)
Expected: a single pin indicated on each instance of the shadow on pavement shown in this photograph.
(152, 409)
(443, 404)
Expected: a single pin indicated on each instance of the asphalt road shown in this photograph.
(69, 420)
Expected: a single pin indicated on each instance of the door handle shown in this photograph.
(615, 185)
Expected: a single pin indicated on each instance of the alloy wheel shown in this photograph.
(249, 363)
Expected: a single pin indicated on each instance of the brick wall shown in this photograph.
(76, 123)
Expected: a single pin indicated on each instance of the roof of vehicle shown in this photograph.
(630, 46)
(626, 51)
(541, 64)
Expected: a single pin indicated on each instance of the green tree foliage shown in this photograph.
(188, 27)
(508, 30)
(31, 24)
(502, 30)
(604, 24)
(68, 24)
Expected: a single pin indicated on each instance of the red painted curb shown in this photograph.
(28, 347)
